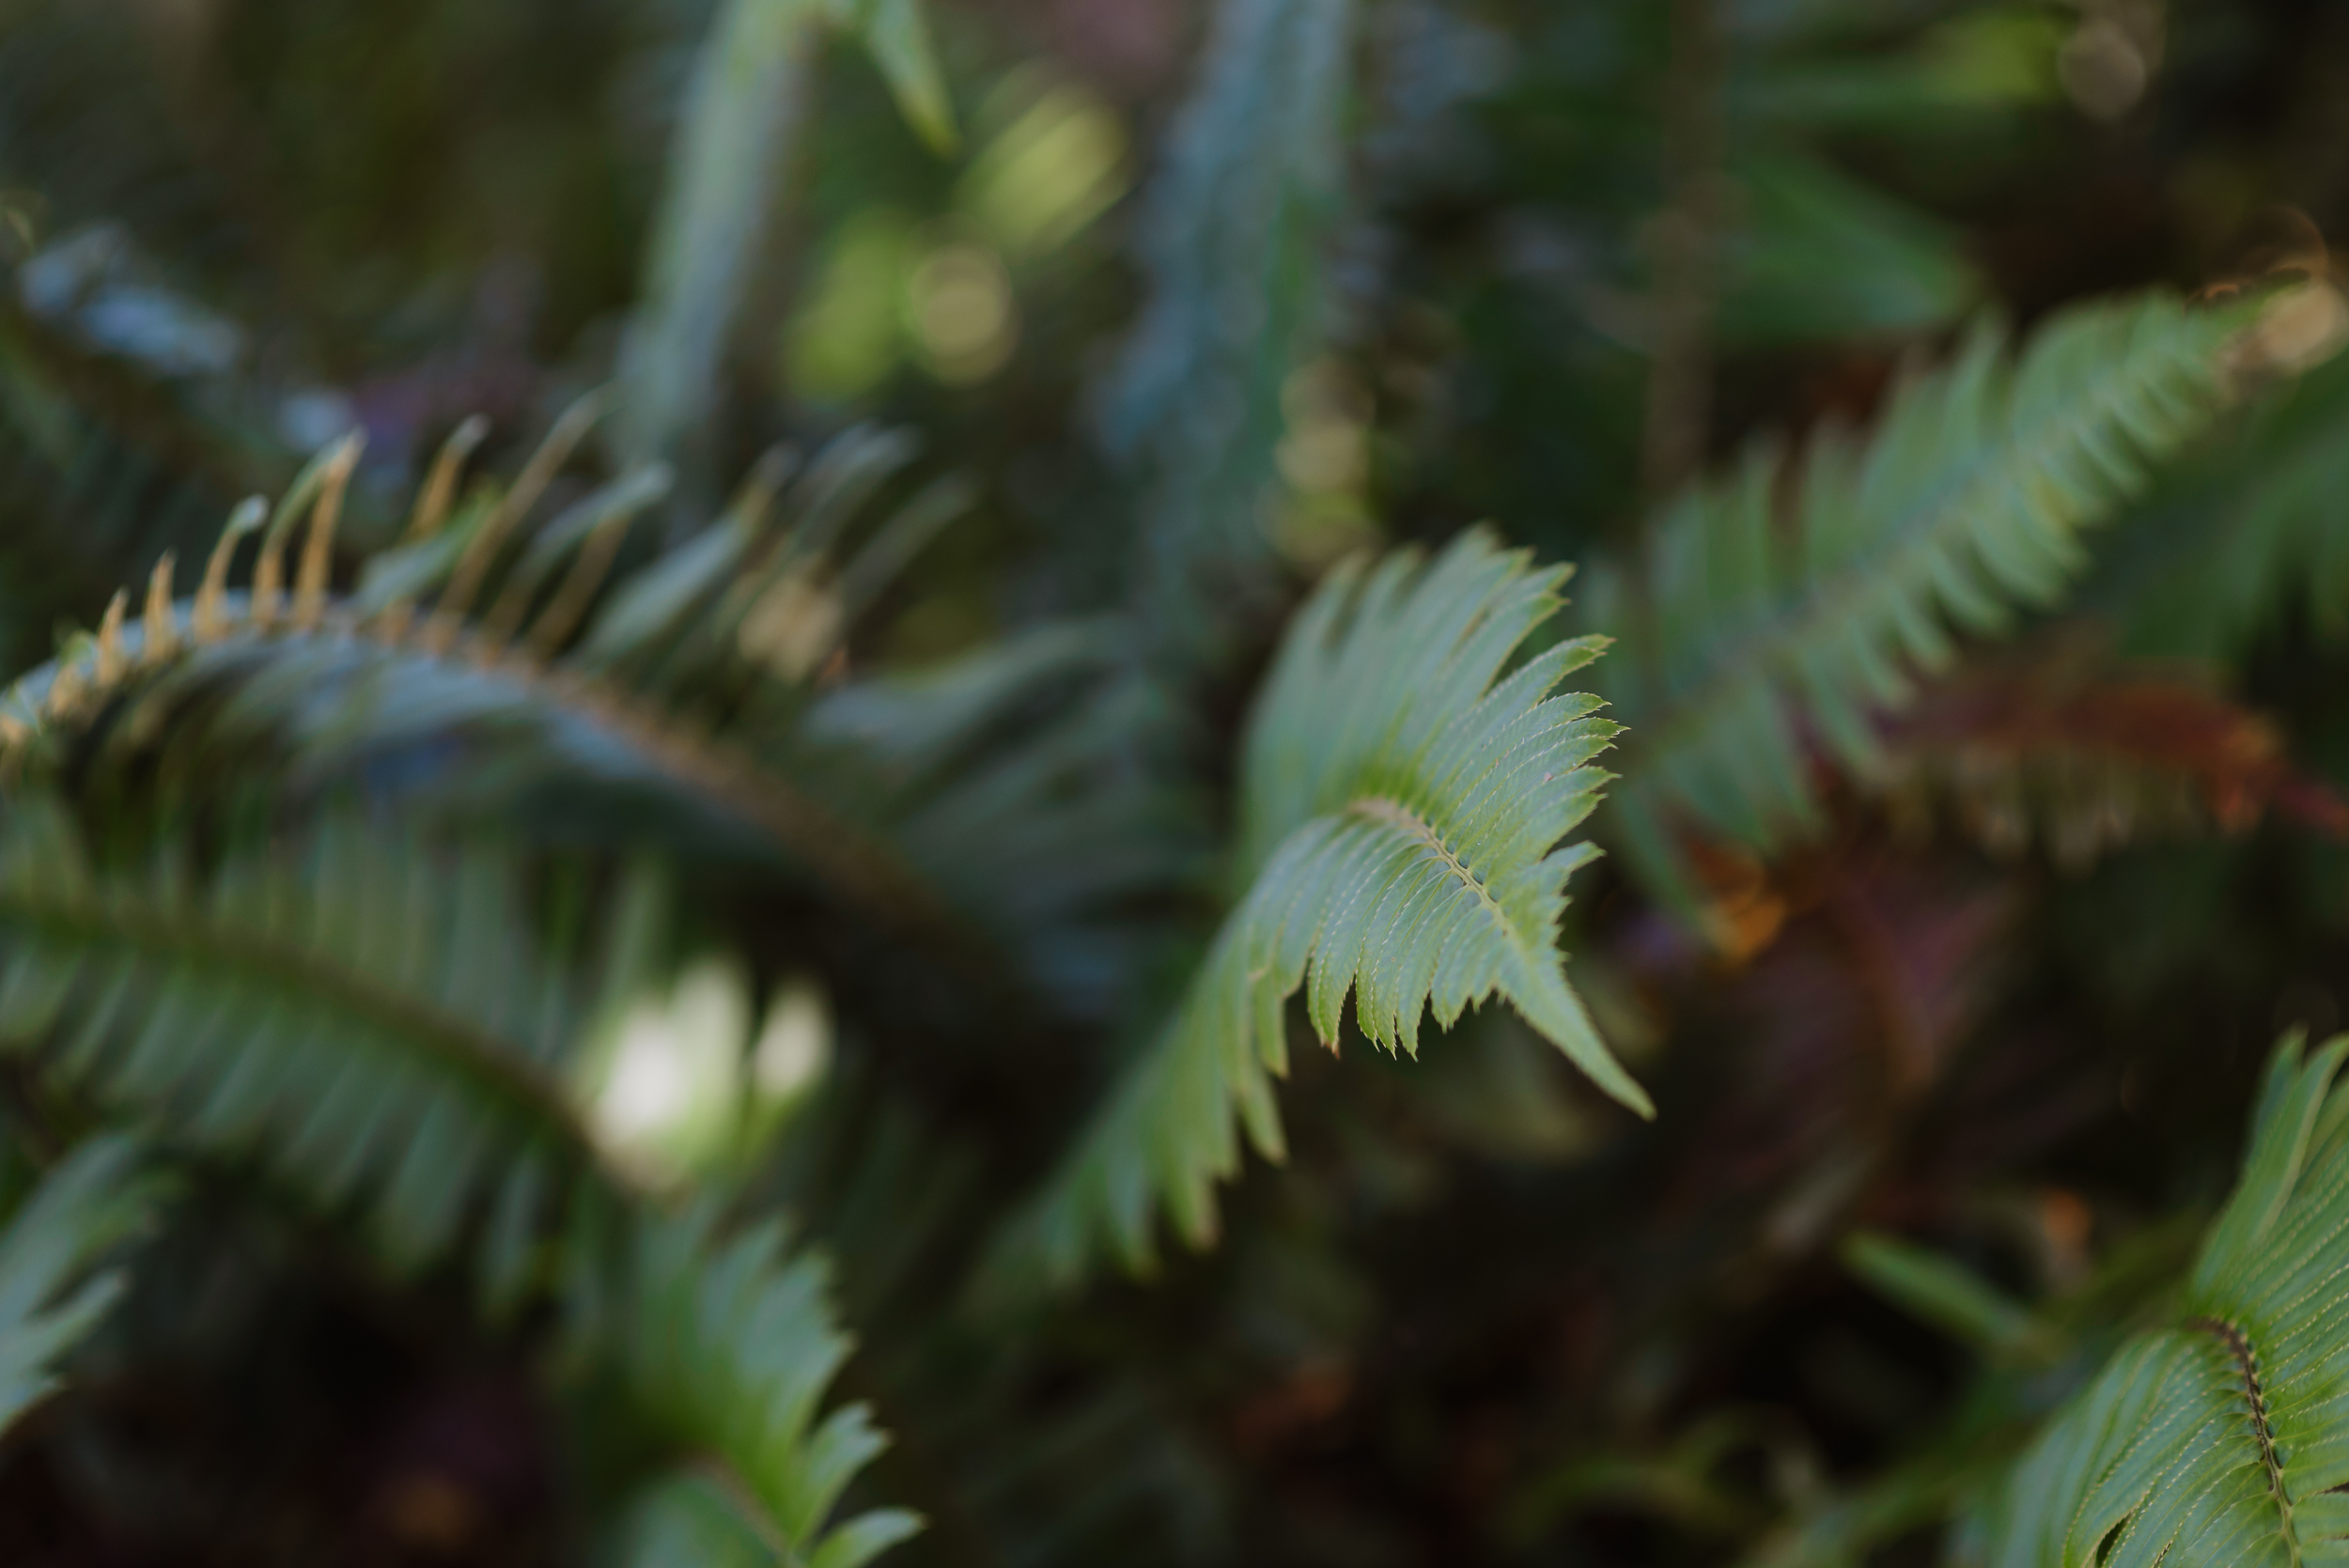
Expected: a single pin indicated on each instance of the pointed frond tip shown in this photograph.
(2222, 1437)
(1408, 782)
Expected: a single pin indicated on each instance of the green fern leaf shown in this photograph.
(726, 1341)
(897, 33)
(375, 1027)
(556, 673)
(728, 182)
(80, 1210)
(690, 1517)
(1404, 804)
(1766, 620)
(2250, 530)
(1231, 239)
(968, 807)
(2223, 1438)
(364, 1023)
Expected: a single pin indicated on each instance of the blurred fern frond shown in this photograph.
(728, 181)
(2081, 760)
(693, 1517)
(1792, 601)
(1231, 239)
(726, 1341)
(2218, 1437)
(47, 1300)
(2251, 529)
(291, 1011)
(688, 674)
(102, 470)
(1403, 806)
(379, 1031)
(1007, 776)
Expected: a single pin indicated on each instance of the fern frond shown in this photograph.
(727, 1342)
(2081, 756)
(476, 626)
(1403, 806)
(1796, 599)
(728, 182)
(1231, 239)
(2224, 1437)
(1055, 834)
(378, 1030)
(987, 807)
(100, 471)
(2251, 529)
(362, 1022)
(691, 1517)
(80, 1211)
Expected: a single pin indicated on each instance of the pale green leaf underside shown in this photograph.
(2219, 1441)
(1403, 806)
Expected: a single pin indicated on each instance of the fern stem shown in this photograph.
(865, 871)
(2247, 1367)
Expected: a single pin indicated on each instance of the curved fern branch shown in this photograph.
(341, 675)
(2223, 1438)
(1404, 801)
(1793, 600)
(378, 1029)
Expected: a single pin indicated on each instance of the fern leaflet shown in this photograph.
(86, 1205)
(2222, 1439)
(1231, 239)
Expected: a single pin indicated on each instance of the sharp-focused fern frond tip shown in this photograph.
(1404, 801)
(2222, 1439)
(80, 1210)
(1780, 608)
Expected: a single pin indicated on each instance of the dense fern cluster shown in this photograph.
(746, 908)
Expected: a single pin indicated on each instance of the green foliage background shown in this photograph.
(745, 980)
